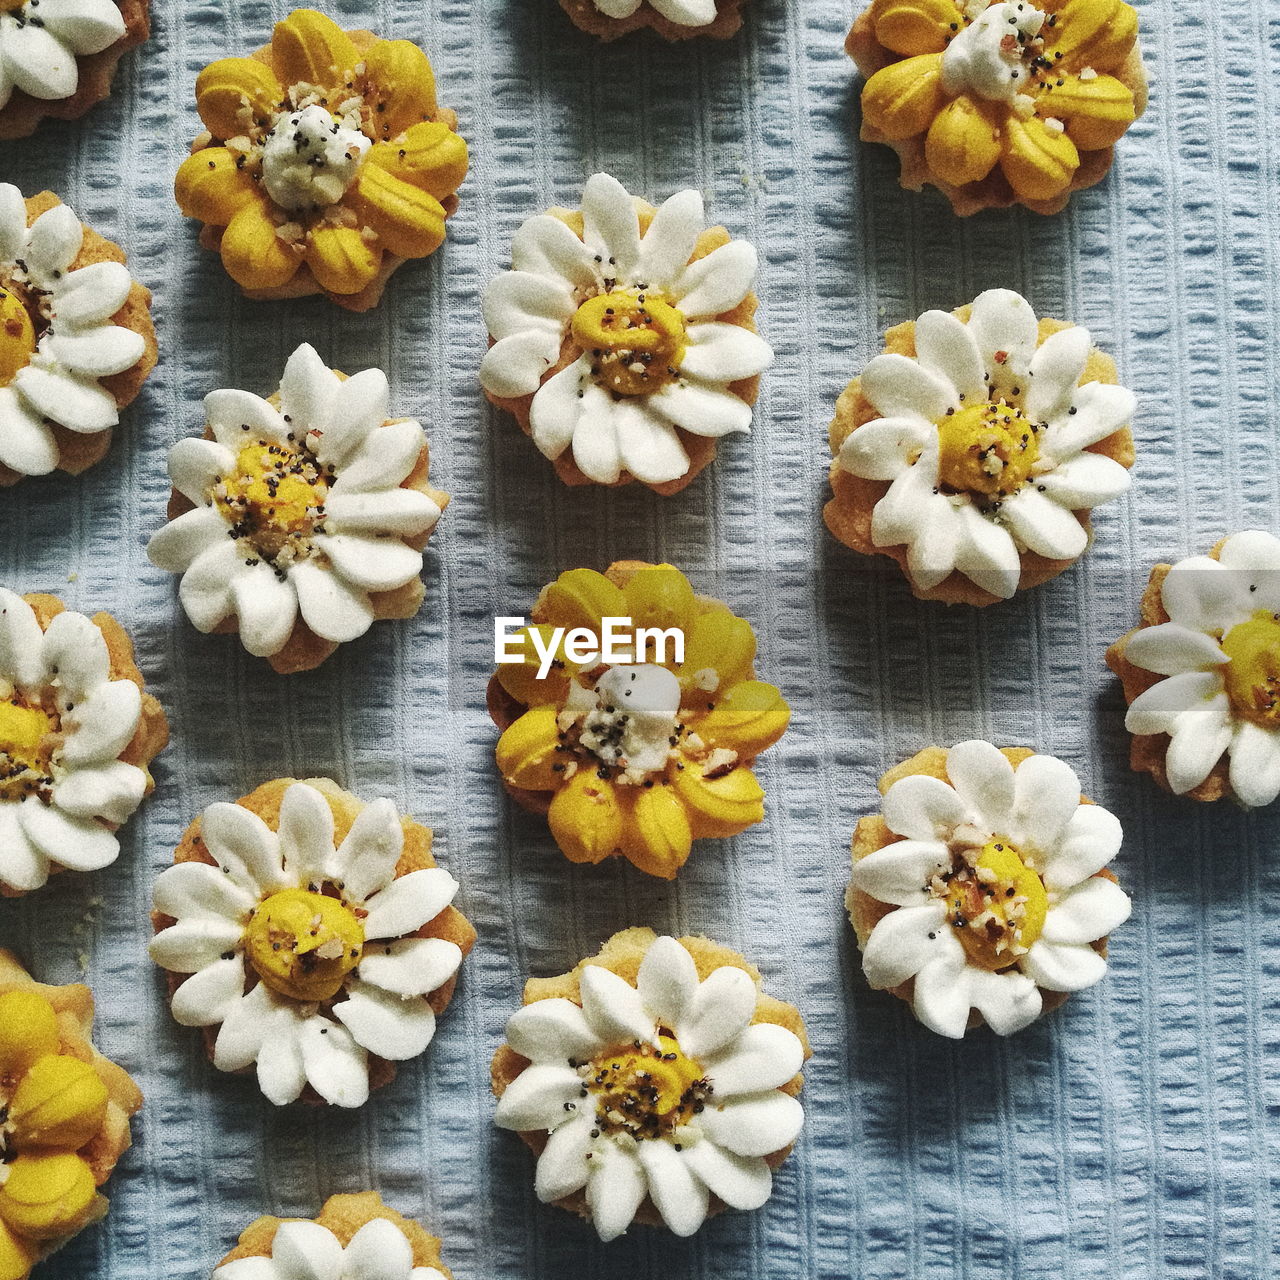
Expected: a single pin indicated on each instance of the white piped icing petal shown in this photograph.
(1032, 812)
(717, 1147)
(687, 13)
(394, 1027)
(613, 424)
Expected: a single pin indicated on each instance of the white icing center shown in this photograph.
(310, 159)
(634, 718)
(990, 56)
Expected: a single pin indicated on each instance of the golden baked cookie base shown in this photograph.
(77, 452)
(450, 924)
(994, 191)
(701, 449)
(304, 650)
(21, 115)
(304, 284)
(585, 15)
(344, 1216)
(849, 512)
(152, 735)
(873, 833)
(74, 1006)
(622, 955)
(1147, 751)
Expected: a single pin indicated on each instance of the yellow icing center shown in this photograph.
(986, 448)
(636, 340)
(26, 749)
(647, 1092)
(1252, 677)
(997, 907)
(304, 944)
(17, 333)
(275, 499)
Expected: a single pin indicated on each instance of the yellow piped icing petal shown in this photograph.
(527, 750)
(429, 156)
(341, 259)
(1038, 161)
(586, 818)
(212, 186)
(914, 26)
(719, 806)
(718, 641)
(659, 596)
(1094, 33)
(408, 219)
(1096, 111)
(28, 1030)
(17, 1256)
(747, 718)
(520, 679)
(903, 98)
(48, 1195)
(400, 86)
(581, 598)
(309, 48)
(254, 255)
(659, 835)
(60, 1102)
(963, 143)
(235, 94)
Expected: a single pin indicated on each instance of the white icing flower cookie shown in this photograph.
(76, 339)
(300, 520)
(318, 935)
(355, 1237)
(58, 57)
(671, 19)
(623, 339)
(1202, 673)
(980, 892)
(77, 738)
(974, 449)
(656, 1083)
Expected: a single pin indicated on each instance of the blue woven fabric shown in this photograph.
(1133, 1134)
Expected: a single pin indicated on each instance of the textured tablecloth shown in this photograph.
(1133, 1134)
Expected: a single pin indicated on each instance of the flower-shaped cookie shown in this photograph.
(318, 937)
(64, 1117)
(326, 164)
(623, 339)
(997, 103)
(355, 1237)
(636, 759)
(974, 449)
(671, 19)
(76, 339)
(1201, 673)
(300, 520)
(58, 57)
(980, 893)
(77, 738)
(655, 1083)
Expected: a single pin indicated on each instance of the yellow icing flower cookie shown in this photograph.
(999, 102)
(64, 1118)
(325, 165)
(635, 759)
